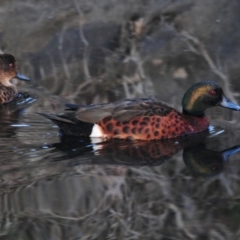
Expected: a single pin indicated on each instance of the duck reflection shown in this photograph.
(199, 160)
(205, 162)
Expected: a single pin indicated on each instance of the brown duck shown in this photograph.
(144, 118)
(8, 70)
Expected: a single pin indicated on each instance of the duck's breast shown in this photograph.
(7, 93)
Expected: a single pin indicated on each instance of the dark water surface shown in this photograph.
(56, 187)
(88, 51)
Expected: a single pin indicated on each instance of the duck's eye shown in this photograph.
(214, 168)
(212, 92)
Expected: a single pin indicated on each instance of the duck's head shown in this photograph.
(203, 95)
(8, 70)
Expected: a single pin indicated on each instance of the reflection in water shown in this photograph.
(102, 51)
(205, 162)
(100, 186)
(200, 160)
(63, 189)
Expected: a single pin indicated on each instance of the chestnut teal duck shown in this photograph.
(144, 118)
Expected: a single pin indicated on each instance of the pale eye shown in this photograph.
(212, 92)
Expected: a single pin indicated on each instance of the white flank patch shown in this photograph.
(97, 132)
(97, 137)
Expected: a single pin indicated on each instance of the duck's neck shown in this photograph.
(193, 112)
(194, 124)
(6, 82)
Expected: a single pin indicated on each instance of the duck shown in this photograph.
(144, 118)
(8, 71)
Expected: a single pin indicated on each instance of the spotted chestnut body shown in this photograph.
(144, 118)
(152, 128)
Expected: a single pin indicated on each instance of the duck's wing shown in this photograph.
(123, 110)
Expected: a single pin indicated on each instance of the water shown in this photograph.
(53, 187)
(56, 187)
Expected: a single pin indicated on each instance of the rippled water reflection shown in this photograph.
(53, 187)
(56, 187)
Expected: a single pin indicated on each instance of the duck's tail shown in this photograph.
(69, 125)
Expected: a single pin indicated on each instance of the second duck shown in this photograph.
(8, 70)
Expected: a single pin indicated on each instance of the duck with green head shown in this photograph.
(144, 118)
(8, 70)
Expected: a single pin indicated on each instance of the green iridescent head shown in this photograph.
(203, 95)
